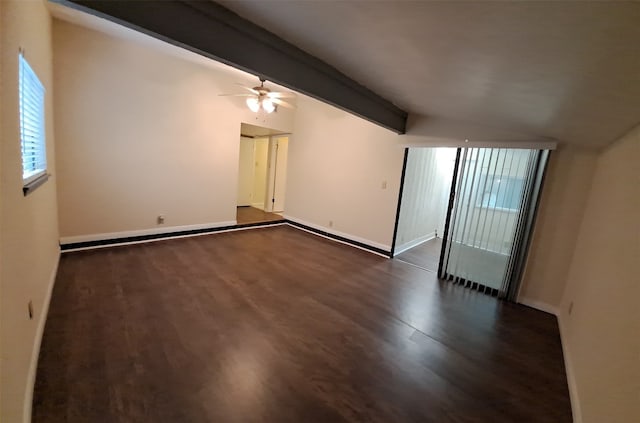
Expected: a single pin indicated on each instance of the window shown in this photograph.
(501, 192)
(32, 129)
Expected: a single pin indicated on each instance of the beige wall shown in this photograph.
(29, 237)
(564, 197)
(141, 133)
(337, 165)
(601, 334)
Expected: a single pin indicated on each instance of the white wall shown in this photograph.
(142, 133)
(29, 236)
(337, 165)
(601, 333)
(425, 195)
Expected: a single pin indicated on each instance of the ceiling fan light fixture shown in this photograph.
(268, 106)
(253, 103)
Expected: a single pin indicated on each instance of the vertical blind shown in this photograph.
(32, 129)
(490, 194)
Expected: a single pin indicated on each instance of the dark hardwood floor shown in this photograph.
(277, 325)
(425, 255)
(254, 215)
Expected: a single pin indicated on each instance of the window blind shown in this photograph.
(488, 202)
(32, 129)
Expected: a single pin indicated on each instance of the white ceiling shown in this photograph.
(563, 70)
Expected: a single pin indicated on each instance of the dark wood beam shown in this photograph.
(214, 31)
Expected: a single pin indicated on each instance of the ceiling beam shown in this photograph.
(214, 31)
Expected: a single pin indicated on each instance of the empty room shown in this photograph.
(311, 211)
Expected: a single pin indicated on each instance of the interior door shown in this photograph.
(492, 198)
(246, 172)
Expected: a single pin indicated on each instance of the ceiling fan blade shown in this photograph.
(280, 95)
(236, 95)
(251, 90)
(283, 103)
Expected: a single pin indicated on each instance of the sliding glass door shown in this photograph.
(490, 216)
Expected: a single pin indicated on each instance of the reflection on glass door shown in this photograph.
(490, 216)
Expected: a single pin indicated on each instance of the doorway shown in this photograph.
(425, 194)
(262, 173)
(482, 203)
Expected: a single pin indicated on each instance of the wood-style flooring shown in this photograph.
(425, 255)
(278, 325)
(253, 215)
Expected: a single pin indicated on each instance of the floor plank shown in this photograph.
(253, 215)
(425, 255)
(278, 325)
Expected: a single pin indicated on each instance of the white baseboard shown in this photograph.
(258, 205)
(539, 305)
(142, 232)
(571, 379)
(37, 342)
(414, 243)
(340, 234)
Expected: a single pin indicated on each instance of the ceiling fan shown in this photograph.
(263, 98)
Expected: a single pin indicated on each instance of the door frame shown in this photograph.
(447, 222)
(272, 170)
(400, 192)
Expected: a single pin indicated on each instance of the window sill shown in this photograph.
(31, 186)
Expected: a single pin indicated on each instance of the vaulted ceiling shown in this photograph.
(564, 70)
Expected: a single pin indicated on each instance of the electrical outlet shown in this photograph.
(30, 308)
(384, 184)
(160, 220)
(570, 307)
(331, 223)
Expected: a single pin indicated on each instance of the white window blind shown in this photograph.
(32, 138)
